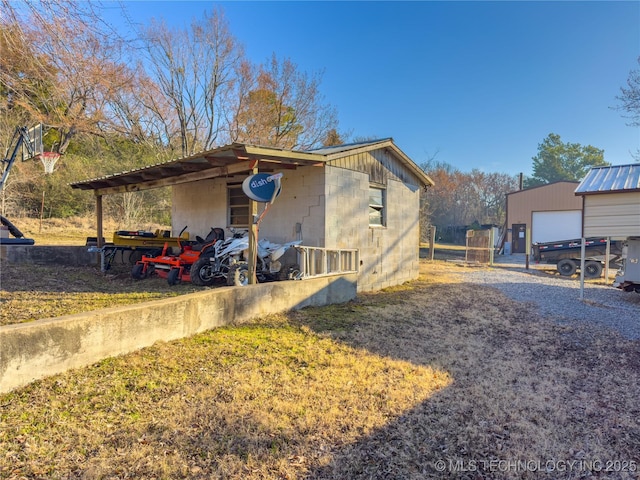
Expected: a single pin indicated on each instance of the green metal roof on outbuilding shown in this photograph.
(611, 179)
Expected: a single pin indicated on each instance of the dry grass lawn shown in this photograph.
(32, 292)
(435, 379)
(71, 231)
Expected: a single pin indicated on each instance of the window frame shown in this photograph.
(381, 207)
(231, 217)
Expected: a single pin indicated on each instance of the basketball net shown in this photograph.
(49, 160)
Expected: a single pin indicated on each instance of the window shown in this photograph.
(376, 206)
(237, 206)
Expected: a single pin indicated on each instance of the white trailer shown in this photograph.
(628, 277)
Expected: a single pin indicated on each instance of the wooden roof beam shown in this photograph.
(176, 180)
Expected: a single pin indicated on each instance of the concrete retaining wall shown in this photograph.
(46, 347)
(48, 255)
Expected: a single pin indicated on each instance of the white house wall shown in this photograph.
(401, 238)
(298, 212)
(199, 206)
(331, 206)
(202, 205)
(348, 201)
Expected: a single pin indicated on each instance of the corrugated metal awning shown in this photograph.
(612, 179)
(228, 160)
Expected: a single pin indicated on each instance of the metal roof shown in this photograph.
(229, 160)
(338, 151)
(348, 146)
(611, 179)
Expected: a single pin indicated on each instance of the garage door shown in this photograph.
(552, 226)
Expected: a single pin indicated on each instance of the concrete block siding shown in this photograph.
(34, 350)
(388, 254)
(200, 206)
(302, 201)
(323, 207)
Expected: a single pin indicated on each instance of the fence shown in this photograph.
(480, 247)
(318, 262)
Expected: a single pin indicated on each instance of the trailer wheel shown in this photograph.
(201, 273)
(592, 269)
(137, 272)
(567, 267)
(173, 278)
(238, 275)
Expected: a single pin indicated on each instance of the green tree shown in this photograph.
(558, 161)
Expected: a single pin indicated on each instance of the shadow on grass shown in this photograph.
(522, 388)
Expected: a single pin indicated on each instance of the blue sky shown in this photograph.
(477, 84)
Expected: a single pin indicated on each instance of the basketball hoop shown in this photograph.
(49, 160)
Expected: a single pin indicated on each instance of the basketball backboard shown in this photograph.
(34, 139)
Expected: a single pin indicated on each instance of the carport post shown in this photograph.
(583, 249)
(607, 254)
(99, 242)
(253, 242)
(99, 220)
(253, 235)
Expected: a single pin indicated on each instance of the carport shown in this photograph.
(361, 198)
(220, 162)
(610, 207)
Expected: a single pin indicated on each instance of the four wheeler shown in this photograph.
(214, 262)
(268, 267)
(177, 268)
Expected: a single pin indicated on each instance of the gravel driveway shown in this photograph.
(559, 297)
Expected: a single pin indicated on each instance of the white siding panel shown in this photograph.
(615, 199)
(612, 215)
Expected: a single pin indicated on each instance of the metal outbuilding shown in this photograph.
(610, 205)
(548, 212)
(611, 201)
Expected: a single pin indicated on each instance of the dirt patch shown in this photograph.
(433, 379)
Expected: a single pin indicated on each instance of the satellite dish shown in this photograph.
(262, 187)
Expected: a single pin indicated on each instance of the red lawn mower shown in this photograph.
(177, 268)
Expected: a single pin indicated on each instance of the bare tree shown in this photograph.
(144, 115)
(460, 198)
(194, 71)
(492, 189)
(630, 102)
(630, 97)
(62, 72)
